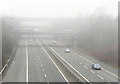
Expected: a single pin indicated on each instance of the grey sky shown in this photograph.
(56, 8)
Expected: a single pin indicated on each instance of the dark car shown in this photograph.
(96, 67)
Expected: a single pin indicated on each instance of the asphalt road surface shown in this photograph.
(32, 63)
(82, 63)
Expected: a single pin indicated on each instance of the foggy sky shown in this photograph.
(56, 8)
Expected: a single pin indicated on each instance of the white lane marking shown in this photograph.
(41, 65)
(71, 66)
(26, 64)
(82, 57)
(3, 69)
(55, 65)
(93, 62)
(43, 69)
(110, 73)
(108, 82)
(47, 82)
(7, 62)
(39, 58)
(100, 76)
(13, 52)
(85, 67)
(92, 71)
(45, 75)
(7, 65)
(80, 63)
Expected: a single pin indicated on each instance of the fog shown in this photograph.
(56, 8)
(95, 34)
(10, 39)
(93, 31)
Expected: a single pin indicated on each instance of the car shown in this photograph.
(96, 67)
(67, 50)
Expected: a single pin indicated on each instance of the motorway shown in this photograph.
(32, 63)
(82, 63)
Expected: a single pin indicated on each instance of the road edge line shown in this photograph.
(26, 63)
(71, 66)
(55, 65)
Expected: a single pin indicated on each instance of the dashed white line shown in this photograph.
(43, 69)
(80, 63)
(85, 67)
(92, 71)
(41, 65)
(100, 76)
(55, 65)
(71, 66)
(39, 58)
(93, 62)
